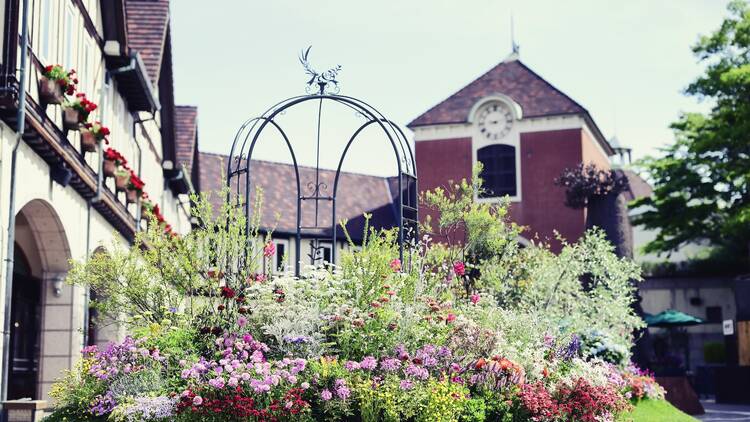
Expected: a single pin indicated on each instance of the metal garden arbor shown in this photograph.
(322, 88)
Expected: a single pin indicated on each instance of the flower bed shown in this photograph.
(482, 331)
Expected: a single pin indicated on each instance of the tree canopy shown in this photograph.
(702, 181)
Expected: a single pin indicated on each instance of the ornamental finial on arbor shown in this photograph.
(321, 79)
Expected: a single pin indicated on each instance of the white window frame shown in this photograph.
(321, 260)
(512, 138)
(44, 43)
(275, 257)
(71, 28)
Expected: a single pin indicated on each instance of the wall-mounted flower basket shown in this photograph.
(122, 178)
(112, 161)
(89, 143)
(71, 118)
(54, 82)
(131, 195)
(135, 187)
(76, 112)
(50, 91)
(109, 168)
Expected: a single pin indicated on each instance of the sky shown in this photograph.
(626, 61)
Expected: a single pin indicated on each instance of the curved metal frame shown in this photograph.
(240, 162)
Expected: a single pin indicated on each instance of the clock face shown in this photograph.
(495, 120)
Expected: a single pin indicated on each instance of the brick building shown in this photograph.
(525, 132)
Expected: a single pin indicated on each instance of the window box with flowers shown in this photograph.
(55, 82)
(113, 160)
(77, 112)
(135, 188)
(91, 134)
(122, 178)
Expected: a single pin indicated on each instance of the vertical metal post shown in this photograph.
(10, 251)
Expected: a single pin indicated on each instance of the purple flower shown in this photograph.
(326, 395)
(352, 366)
(390, 364)
(417, 372)
(406, 385)
(343, 393)
(216, 383)
(369, 363)
(241, 321)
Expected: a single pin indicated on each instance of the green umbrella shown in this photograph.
(671, 318)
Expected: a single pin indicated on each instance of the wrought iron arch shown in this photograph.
(246, 138)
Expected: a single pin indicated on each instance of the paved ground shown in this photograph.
(724, 412)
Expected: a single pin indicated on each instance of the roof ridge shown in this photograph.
(456, 92)
(300, 165)
(549, 84)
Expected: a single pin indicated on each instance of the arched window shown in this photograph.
(498, 170)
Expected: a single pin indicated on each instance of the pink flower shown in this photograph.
(396, 265)
(474, 298)
(197, 401)
(326, 395)
(459, 268)
(269, 249)
(241, 321)
(450, 318)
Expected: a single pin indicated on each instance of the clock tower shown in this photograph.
(524, 132)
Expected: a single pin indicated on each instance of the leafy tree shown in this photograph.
(702, 183)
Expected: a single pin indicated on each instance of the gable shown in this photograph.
(536, 96)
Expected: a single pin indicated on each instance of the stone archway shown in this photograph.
(41, 239)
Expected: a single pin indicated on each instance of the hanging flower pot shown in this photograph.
(71, 118)
(50, 92)
(54, 82)
(131, 195)
(122, 177)
(89, 143)
(76, 112)
(112, 161)
(135, 187)
(91, 134)
(108, 168)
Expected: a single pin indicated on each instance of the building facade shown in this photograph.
(524, 131)
(64, 206)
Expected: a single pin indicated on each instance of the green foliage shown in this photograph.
(702, 181)
(162, 273)
(655, 411)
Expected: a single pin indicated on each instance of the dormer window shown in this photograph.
(498, 170)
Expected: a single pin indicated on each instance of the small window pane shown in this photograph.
(498, 170)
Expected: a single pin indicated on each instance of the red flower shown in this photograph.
(227, 292)
(450, 318)
(459, 268)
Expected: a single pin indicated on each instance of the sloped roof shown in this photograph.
(357, 194)
(147, 22)
(637, 186)
(514, 79)
(186, 134)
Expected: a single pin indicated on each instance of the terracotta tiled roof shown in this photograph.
(514, 79)
(147, 28)
(186, 128)
(357, 194)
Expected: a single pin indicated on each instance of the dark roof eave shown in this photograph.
(134, 83)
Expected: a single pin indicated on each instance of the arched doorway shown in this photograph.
(43, 324)
(25, 329)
